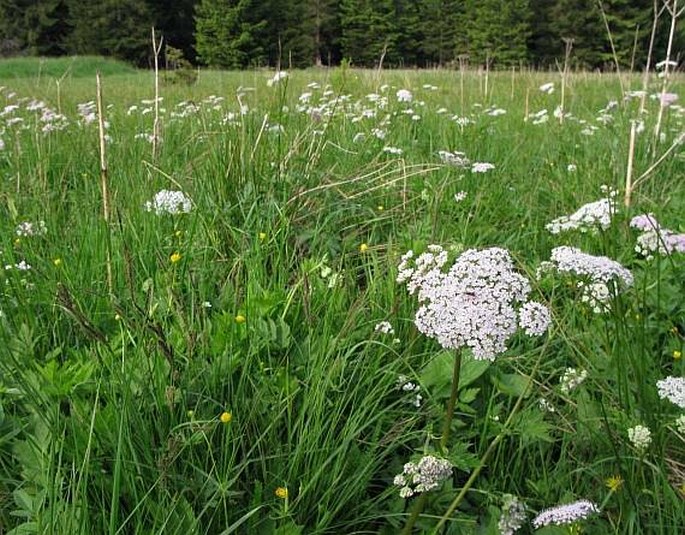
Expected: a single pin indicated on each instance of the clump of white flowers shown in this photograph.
(27, 229)
(475, 303)
(280, 75)
(680, 424)
(654, 239)
(672, 389)
(565, 514)
(423, 476)
(513, 515)
(169, 202)
(547, 88)
(384, 327)
(404, 95)
(457, 159)
(588, 217)
(482, 167)
(640, 437)
(406, 385)
(572, 379)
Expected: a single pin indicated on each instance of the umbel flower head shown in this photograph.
(423, 476)
(476, 303)
(169, 202)
(565, 514)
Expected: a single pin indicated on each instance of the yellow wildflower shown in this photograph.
(240, 319)
(614, 483)
(380, 207)
(363, 248)
(57, 262)
(262, 236)
(281, 492)
(226, 417)
(677, 354)
(175, 257)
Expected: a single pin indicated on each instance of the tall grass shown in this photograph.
(261, 303)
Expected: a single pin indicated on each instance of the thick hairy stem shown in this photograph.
(451, 403)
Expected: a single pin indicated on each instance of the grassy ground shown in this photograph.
(230, 377)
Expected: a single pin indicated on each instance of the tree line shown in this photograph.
(236, 34)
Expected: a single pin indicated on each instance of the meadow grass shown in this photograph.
(233, 381)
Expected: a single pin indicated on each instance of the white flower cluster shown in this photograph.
(672, 389)
(656, 239)
(597, 295)
(457, 159)
(404, 95)
(572, 379)
(27, 229)
(588, 217)
(280, 75)
(474, 304)
(680, 424)
(534, 318)
(513, 515)
(547, 88)
(640, 437)
(423, 476)
(482, 167)
(169, 202)
(572, 260)
(405, 385)
(384, 327)
(565, 514)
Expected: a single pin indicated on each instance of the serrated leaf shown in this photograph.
(531, 427)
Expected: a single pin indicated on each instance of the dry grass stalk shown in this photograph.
(156, 49)
(103, 178)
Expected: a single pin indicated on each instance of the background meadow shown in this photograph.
(233, 376)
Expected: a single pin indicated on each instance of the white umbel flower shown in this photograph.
(565, 514)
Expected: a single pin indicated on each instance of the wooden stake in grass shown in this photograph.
(103, 179)
(156, 49)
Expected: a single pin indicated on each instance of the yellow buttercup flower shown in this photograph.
(240, 319)
(178, 233)
(380, 207)
(226, 417)
(281, 492)
(175, 257)
(677, 354)
(363, 248)
(57, 262)
(614, 483)
(262, 236)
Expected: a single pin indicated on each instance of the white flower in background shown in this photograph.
(513, 515)
(571, 168)
(680, 424)
(590, 216)
(423, 476)
(640, 437)
(404, 95)
(565, 514)
(597, 295)
(666, 99)
(572, 379)
(392, 150)
(534, 318)
(474, 304)
(655, 239)
(664, 63)
(460, 196)
(545, 405)
(495, 112)
(384, 327)
(27, 229)
(169, 202)
(457, 159)
(482, 167)
(672, 389)
(277, 77)
(572, 260)
(547, 88)
(378, 133)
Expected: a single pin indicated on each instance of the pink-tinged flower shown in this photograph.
(565, 514)
(667, 99)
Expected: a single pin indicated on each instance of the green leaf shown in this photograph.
(531, 427)
(437, 374)
(512, 384)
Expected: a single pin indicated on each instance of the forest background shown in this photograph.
(234, 34)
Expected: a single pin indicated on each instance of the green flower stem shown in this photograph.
(447, 425)
(491, 448)
(419, 504)
(451, 404)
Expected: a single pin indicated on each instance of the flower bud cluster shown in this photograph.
(474, 303)
(640, 437)
(672, 389)
(423, 476)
